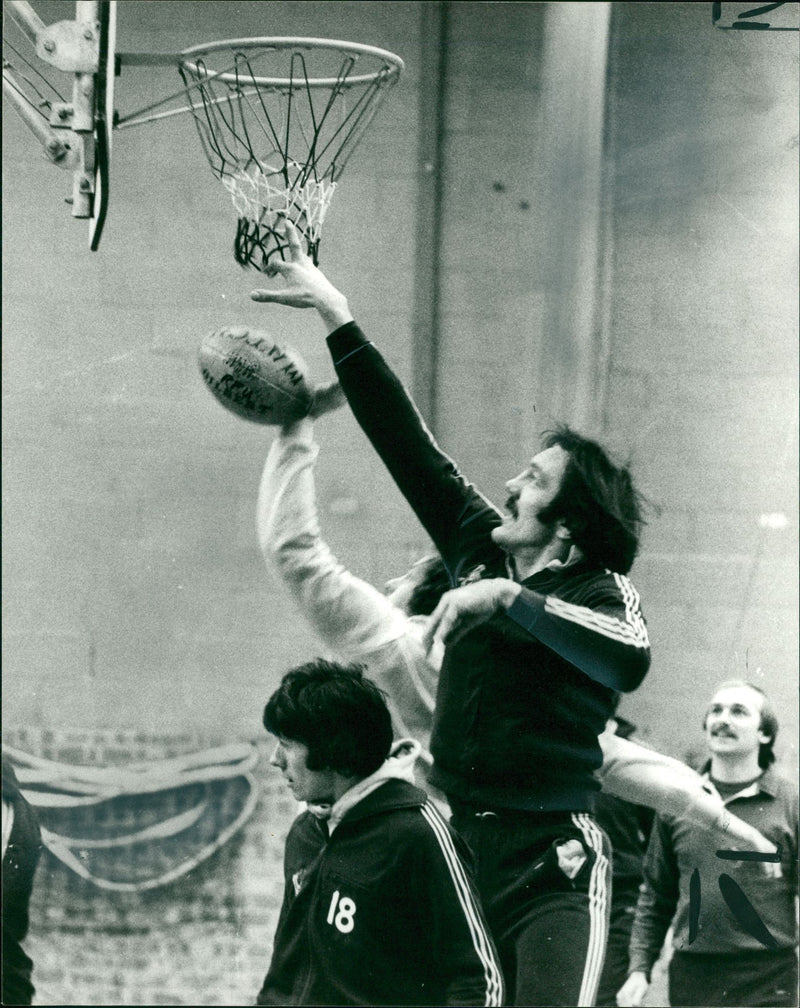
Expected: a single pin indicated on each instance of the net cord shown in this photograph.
(232, 126)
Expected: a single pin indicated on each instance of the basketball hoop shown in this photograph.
(277, 117)
(278, 137)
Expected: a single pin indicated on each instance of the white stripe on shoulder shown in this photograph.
(633, 611)
(480, 937)
(631, 630)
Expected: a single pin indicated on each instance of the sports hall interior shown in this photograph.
(563, 212)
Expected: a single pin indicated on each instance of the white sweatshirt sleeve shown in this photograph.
(350, 616)
(636, 774)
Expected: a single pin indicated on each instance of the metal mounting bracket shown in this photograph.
(70, 46)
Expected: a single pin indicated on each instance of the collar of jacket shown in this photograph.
(389, 795)
(557, 569)
(399, 765)
(766, 784)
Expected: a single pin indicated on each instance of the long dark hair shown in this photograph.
(597, 502)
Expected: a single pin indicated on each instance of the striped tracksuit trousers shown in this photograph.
(550, 930)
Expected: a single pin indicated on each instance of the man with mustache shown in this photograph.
(383, 632)
(735, 931)
(543, 630)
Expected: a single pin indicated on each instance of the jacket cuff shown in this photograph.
(527, 609)
(640, 967)
(345, 340)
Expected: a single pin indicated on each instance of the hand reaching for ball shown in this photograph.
(306, 286)
(326, 398)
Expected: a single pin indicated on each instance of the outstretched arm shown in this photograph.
(354, 621)
(608, 642)
(645, 777)
(457, 518)
(350, 616)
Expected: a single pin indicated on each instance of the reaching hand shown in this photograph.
(326, 399)
(463, 608)
(632, 992)
(306, 285)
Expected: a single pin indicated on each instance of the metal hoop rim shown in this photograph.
(396, 65)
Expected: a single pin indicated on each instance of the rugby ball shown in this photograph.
(255, 377)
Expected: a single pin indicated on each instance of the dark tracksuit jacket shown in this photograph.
(521, 700)
(381, 912)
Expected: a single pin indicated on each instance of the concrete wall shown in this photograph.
(129, 492)
(135, 599)
(702, 328)
(134, 585)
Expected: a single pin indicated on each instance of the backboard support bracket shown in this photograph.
(71, 46)
(69, 130)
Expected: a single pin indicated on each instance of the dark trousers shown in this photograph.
(615, 970)
(740, 980)
(550, 930)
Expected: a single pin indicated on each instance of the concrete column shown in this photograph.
(573, 354)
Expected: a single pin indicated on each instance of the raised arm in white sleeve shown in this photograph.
(640, 775)
(349, 615)
(353, 619)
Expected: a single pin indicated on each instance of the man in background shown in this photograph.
(735, 931)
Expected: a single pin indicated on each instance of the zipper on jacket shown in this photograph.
(310, 922)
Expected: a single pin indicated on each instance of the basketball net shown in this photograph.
(261, 205)
(277, 137)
